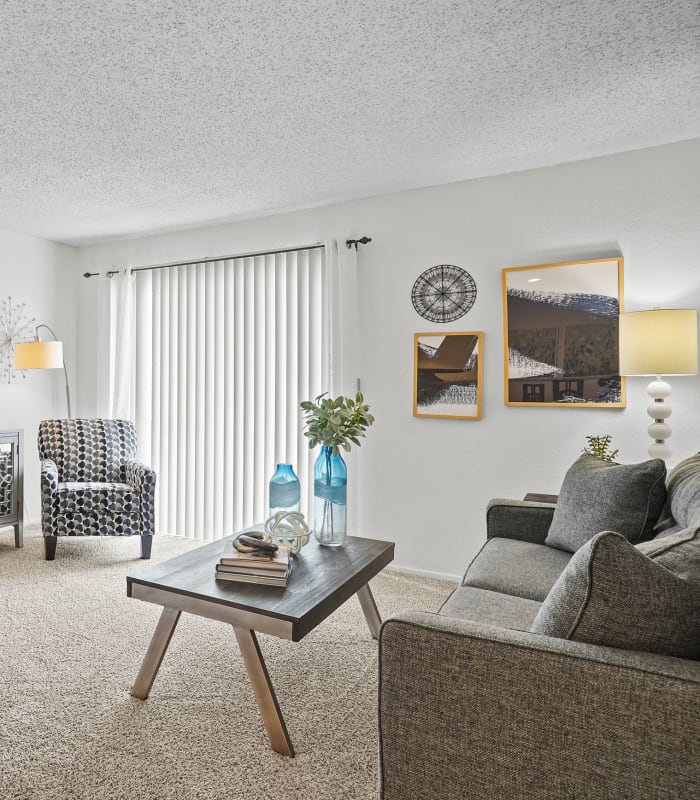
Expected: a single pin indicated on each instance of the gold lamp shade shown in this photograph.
(659, 342)
(39, 355)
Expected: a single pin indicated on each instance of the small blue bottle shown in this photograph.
(285, 492)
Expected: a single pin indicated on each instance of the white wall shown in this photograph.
(41, 275)
(424, 483)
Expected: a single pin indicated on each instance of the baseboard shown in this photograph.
(423, 573)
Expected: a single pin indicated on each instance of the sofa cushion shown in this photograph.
(601, 496)
(678, 552)
(682, 498)
(613, 594)
(491, 608)
(510, 566)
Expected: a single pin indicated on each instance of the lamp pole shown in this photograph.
(65, 371)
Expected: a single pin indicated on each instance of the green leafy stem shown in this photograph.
(599, 446)
(336, 423)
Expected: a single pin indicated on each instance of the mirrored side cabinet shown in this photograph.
(12, 483)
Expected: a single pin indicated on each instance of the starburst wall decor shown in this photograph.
(15, 326)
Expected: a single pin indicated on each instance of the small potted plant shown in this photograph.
(333, 424)
(599, 446)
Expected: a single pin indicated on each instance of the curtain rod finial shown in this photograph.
(350, 242)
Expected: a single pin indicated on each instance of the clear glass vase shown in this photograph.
(284, 490)
(330, 498)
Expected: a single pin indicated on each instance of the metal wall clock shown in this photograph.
(15, 326)
(443, 293)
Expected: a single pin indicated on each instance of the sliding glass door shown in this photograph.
(223, 354)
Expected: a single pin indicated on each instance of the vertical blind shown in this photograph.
(224, 352)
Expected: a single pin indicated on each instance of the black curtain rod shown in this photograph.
(348, 243)
(173, 264)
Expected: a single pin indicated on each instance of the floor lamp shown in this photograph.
(660, 342)
(43, 355)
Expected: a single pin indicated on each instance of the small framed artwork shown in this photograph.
(447, 375)
(561, 334)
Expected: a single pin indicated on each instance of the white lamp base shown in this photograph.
(659, 411)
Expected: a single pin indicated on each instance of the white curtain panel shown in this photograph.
(123, 344)
(341, 362)
(225, 352)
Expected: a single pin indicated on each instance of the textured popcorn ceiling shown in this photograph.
(122, 117)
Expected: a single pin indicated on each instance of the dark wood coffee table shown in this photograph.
(322, 579)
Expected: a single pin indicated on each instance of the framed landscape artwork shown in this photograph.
(561, 334)
(447, 375)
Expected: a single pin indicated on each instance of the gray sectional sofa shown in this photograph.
(553, 673)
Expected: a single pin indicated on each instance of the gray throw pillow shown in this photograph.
(612, 593)
(601, 496)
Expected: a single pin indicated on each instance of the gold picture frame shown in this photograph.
(447, 375)
(560, 331)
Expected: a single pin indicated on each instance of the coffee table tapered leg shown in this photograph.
(264, 692)
(369, 607)
(156, 650)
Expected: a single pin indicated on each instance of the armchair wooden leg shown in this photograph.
(50, 547)
(146, 542)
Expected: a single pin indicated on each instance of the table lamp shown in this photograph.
(42, 355)
(659, 342)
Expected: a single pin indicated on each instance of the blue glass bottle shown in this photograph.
(330, 498)
(284, 490)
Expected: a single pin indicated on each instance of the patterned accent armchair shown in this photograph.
(90, 483)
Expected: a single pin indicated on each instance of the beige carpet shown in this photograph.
(71, 643)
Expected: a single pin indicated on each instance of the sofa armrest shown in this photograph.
(473, 710)
(143, 479)
(518, 519)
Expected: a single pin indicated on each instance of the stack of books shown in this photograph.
(268, 569)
